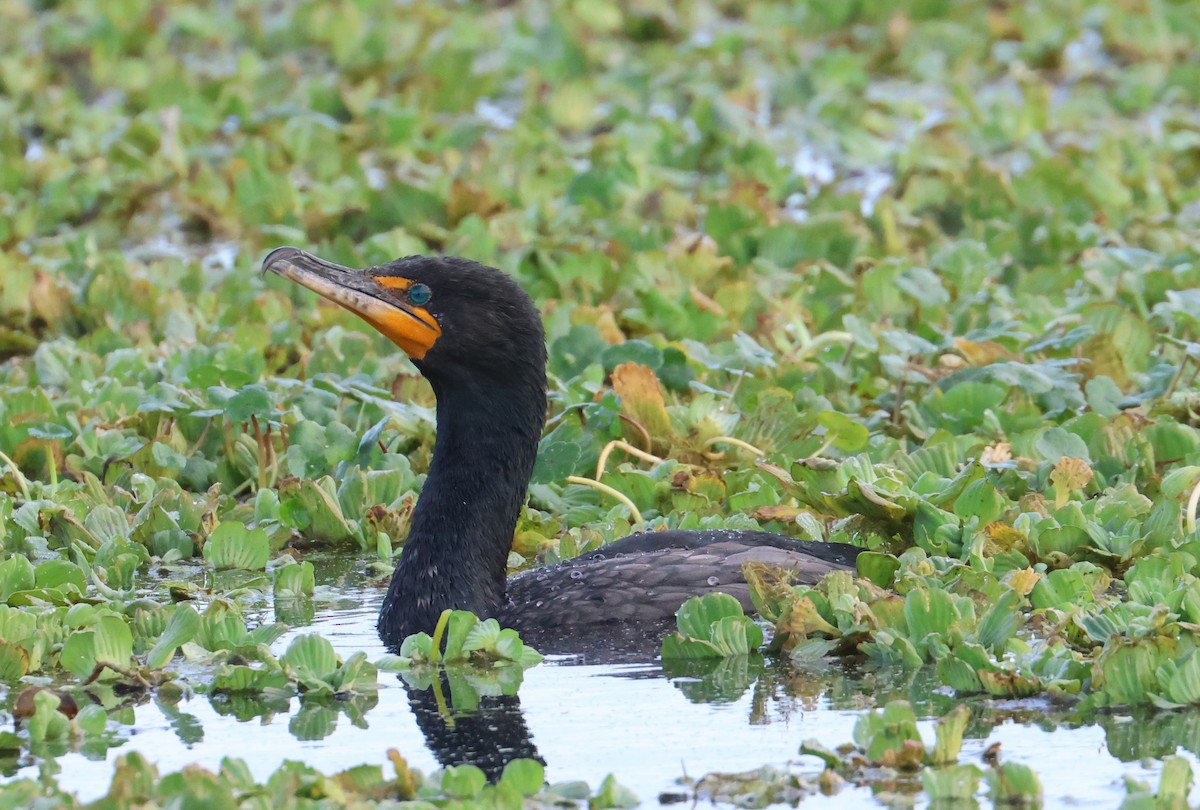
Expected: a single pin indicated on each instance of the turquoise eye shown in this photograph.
(419, 295)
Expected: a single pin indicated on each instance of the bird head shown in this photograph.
(455, 318)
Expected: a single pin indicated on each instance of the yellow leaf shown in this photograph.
(1023, 580)
(804, 619)
(601, 317)
(642, 401)
(1005, 537)
(1069, 475)
(981, 352)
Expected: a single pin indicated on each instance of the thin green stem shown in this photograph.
(439, 631)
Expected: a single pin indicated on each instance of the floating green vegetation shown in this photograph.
(137, 782)
(462, 639)
(889, 757)
(476, 658)
(712, 626)
(936, 264)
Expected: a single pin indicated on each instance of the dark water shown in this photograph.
(647, 727)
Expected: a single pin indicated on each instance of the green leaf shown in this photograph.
(1060, 589)
(77, 654)
(251, 401)
(113, 641)
(698, 614)
(949, 732)
(1175, 783)
(929, 611)
(958, 675)
(16, 574)
(1103, 396)
(458, 627)
(526, 776)
(182, 628)
(712, 626)
(14, 662)
(294, 581)
(92, 720)
(311, 656)
(47, 723)
(981, 500)
(843, 432)
(1057, 442)
(61, 574)
(735, 635)
(879, 732)
(612, 795)
(1013, 784)
(246, 681)
(1181, 684)
(951, 785)
(1127, 672)
(1000, 623)
(232, 545)
(878, 567)
(463, 781)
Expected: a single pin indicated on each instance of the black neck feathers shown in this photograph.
(488, 428)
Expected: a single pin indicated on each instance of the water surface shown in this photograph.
(646, 726)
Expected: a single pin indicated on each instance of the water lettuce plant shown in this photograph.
(889, 755)
(712, 626)
(462, 638)
(137, 780)
(920, 278)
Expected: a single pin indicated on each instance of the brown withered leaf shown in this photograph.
(909, 757)
(775, 511)
(25, 706)
(1009, 684)
(705, 483)
(40, 458)
(1034, 502)
(49, 301)
(393, 522)
(465, 199)
(642, 401)
(405, 784)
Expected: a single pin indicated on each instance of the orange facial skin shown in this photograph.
(378, 300)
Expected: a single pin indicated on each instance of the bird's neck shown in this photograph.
(457, 550)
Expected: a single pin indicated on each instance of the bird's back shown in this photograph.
(622, 598)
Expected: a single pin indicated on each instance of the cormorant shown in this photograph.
(477, 337)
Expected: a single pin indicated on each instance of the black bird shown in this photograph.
(477, 337)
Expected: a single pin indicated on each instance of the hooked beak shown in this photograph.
(410, 327)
